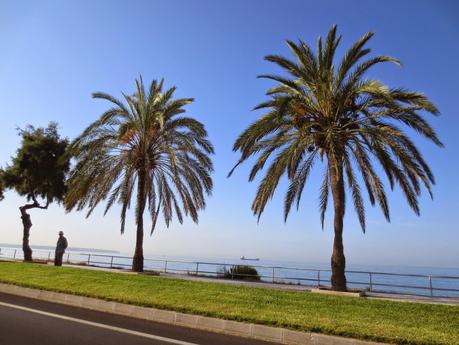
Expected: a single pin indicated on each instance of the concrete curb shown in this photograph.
(247, 330)
(339, 293)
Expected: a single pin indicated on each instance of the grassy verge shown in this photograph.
(384, 321)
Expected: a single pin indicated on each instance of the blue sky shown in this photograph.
(54, 54)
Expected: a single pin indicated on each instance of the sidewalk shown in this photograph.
(290, 287)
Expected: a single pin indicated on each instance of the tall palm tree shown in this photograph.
(333, 113)
(143, 145)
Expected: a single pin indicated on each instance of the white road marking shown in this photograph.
(100, 325)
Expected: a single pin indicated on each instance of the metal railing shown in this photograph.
(401, 283)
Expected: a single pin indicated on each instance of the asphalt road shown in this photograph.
(25, 321)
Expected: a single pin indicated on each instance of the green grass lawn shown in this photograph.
(378, 320)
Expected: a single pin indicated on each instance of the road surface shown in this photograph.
(25, 321)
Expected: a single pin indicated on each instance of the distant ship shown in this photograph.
(248, 259)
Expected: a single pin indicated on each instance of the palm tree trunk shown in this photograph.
(26, 224)
(338, 261)
(137, 262)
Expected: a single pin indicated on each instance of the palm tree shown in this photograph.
(143, 145)
(335, 114)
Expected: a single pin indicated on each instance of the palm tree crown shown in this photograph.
(143, 141)
(333, 112)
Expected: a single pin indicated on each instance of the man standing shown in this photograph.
(60, 249)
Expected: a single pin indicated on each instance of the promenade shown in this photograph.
(256, 310)
(291, 287)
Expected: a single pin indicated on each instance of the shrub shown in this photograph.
(242, 272)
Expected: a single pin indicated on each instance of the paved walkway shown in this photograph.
(291, 287)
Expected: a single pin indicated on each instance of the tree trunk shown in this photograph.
(137, 262)
(338, 261)
(26, 224)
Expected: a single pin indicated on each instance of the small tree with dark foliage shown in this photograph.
(242, 272)
(38, 171)
(1, 185)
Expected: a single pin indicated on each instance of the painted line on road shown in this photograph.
(100, 325)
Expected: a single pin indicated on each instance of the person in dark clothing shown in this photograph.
(60, 249)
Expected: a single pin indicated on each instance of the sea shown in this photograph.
(415, 280)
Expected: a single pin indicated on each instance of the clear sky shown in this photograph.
(54, 54)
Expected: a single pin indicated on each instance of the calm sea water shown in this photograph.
(409, 279)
